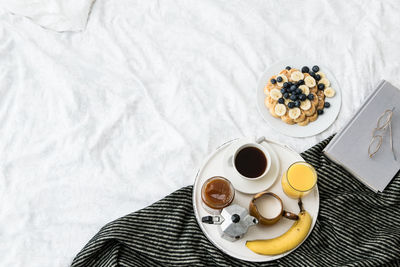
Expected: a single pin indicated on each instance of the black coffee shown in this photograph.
(250, 162)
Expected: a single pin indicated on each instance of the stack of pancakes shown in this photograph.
(307, 114)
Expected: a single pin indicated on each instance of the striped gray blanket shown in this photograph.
(355, 227)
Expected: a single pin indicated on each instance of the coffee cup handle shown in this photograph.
(260, 139)
(289, 215)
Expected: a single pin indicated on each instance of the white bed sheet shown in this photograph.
(98, 124)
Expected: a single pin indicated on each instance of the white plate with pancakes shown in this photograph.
(322, 122)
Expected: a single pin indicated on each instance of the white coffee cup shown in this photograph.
(255, 144)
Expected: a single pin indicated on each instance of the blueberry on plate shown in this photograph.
(293, 88)
(310, 97)
(312, 74)
(285, 85)
(320, 111)
(281, 100)
(286, 95)
(290, 104)
(297, 103)
(327, 104)
(315, 68)
(299, 91)
(301, 82)
(273, 81)
(321, 86)
(317, 77)
(279, 79)
(302, 97)
(288, 67)
(305, 69)
(283, 90)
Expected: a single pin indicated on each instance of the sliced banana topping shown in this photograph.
(305, 89)
(275, 94)
(305, 105)
(329, 92)
(309, 81)
(297, 76)
(284, 79)
(325, 81)
(294, 113)
(280, 109)
(321, 74)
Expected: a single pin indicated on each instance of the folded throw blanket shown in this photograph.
(355, 226)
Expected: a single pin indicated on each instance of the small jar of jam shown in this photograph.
(217, 193)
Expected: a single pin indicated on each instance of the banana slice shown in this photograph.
(284, 79)
(280, 109)
(325, 81)
(309, 81)
(310, 111)
(294, 113)
(275, 94)
(321, 74)
(305, 89)
(297, 76)
(305, 105)
(329, 92)
(272, 110)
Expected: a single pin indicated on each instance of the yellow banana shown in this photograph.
(289, 240)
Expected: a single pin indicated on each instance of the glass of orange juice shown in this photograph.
(299, 179)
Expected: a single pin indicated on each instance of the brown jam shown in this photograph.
(217, 193)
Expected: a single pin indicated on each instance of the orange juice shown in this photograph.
(299, 179)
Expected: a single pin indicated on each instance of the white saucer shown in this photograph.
(251, 186)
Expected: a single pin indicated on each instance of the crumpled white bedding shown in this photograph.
(100, 123)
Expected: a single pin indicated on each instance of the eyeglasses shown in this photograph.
(384, 122)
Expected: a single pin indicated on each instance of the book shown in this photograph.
(349, 147)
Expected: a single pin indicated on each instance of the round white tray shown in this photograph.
(321, 124)
(214, 166)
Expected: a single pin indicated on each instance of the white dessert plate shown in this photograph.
(213, 166)
(322, 123)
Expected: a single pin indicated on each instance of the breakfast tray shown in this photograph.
(214, 166)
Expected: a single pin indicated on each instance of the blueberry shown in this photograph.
(288, 67)
(290, 84)
(279, 79)
(298, 91)
(293, 88)
(301, 82)
(302, 97)
(273, 81)
(312, 74)
(286, 95)
(297, 103)
(283, 90)
(321, 86)
(327, 104)
(285, 85)
(315, 68)
(305, 69)
(290, 104)
(310, 96)
(317, 77)
(281, 100)
(320, 111)
(293, 97)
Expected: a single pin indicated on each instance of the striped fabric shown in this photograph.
(355, 227)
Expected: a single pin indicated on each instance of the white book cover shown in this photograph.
(349, 147)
